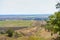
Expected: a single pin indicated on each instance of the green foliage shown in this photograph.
(54, 22)
(10, 32)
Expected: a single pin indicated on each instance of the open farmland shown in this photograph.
(16, 23)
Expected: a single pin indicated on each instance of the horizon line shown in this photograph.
(25, 14)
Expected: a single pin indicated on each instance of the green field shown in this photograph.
(15, 23)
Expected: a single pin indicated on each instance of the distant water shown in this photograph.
(25, 17)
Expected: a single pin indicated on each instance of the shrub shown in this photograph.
(2, 32)
(10, 32)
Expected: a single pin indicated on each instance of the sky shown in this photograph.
(27, 6)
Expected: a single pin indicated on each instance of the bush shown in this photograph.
(10, 32)
(2, 32)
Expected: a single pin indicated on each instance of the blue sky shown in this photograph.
(27, 6)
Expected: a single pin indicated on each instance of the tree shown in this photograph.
(54, 21)
(58, 5)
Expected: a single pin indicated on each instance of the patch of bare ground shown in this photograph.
(28, 31)
(3, 37)
(42, 32)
